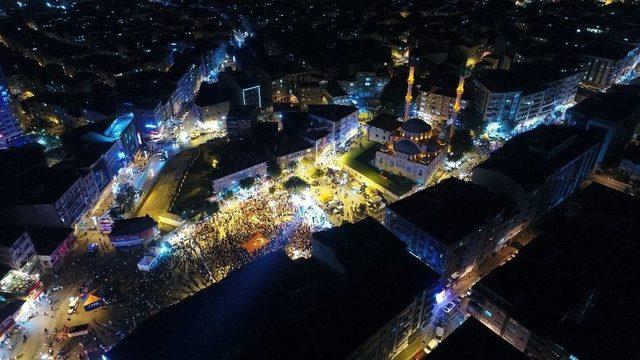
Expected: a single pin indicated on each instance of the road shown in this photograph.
(110, 269)
(451, 321)
(141, 294)
(609, 182)
(160, 196)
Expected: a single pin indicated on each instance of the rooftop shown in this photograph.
(106, 131)
(279, 308)
(238, 155)
(243, 79)
(612, 106)
(609, 50)
(47, 240)
(241, 111)
(406, 147)
(531, 157)
(632, 153)
(210, 94)
(386, 122)
(9, 235)
(40, 185)
(450, 210)
(615, 206)
(9, 307)
(332, 112)
(132, 226)
(285, 145)
(527, 78)
(15, 159)
(474, 341)
(415, 126)
(573, 281)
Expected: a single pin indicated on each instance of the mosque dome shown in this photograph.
(415, 126)
(433, 145)
(406, 147)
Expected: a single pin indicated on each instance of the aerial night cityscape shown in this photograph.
(319, 179)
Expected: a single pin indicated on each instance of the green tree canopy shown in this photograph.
(295, 183)
(460, 144)
(123, 201)
(273, 169)
(247, 182)
(392, 96)
(317, 172)
(471, 119)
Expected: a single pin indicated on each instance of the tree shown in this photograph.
(392, 96)
(306, 161)
(204, 206)
(211, 207)
(293, 165)
(247, 182)
(471, 119)
(123, 201)
(460, 144)
(295, 184)
(116, 213)
(273, 169)
(317, 173)
(362, 208)
(227, 194)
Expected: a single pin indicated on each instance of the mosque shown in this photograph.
(413, 151)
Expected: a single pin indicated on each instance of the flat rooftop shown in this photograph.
(531, 157)
(210, 94)
(235, 156)
(331, 112)
(450, 210)
(9, 235)
(609, 50)
(279, 308)
(529, 78)
(385, 122)
(132, 226)
(572, 284)
(474, 341)
(40, 185)
(617, 207)
(632, 153)
(614, 107)
(9, 307)
(47, 240)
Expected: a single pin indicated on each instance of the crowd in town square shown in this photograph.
(240, 232)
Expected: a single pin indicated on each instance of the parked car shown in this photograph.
(92, 247)
(73, 305)
(448, 308)
(421, 354)
(432, 345)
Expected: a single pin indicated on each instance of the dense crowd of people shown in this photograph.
(241, 231)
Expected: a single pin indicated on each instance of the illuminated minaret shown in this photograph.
(456, 109)
(457, 105)
(408, 98)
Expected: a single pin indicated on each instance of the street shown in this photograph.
(454, 319)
